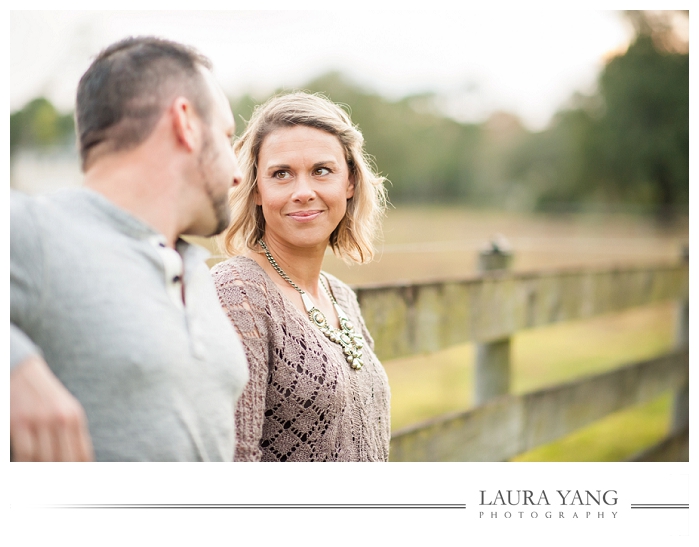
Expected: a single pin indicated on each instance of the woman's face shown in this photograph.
(303, 184)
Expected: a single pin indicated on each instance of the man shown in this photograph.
(119, 347)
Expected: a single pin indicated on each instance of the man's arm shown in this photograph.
(46, 422)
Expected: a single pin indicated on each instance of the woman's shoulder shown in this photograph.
(240, 274)
(336, 282)
(237, 269)
(240, 281)
(341, 290)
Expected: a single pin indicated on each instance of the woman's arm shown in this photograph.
(243, 301)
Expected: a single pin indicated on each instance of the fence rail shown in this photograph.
(407, 319)
(510, 425)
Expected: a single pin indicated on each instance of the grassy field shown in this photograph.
(423, 243)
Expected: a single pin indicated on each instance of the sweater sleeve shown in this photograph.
(26, 273)
(240, 299)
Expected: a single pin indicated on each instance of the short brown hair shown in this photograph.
(353, 238)
(126, 89)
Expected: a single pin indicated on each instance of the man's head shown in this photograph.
(141, 91)
(128, 87)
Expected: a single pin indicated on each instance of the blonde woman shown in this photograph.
(317, 392)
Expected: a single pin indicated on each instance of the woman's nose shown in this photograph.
(303, 190)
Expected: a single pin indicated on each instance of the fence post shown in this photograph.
(493, 358)
(680, 411)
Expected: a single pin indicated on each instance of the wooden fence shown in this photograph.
(487, 309)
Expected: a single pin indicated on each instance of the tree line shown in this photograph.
(625, 146)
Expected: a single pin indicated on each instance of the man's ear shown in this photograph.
(184, 122)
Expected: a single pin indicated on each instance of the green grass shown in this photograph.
(616, 437)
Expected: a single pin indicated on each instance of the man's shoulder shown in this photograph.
(24, 213)
(20, 204)
(27, 242)
(23, 205)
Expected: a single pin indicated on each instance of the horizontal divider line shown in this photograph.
(259, 506)
(660, 506)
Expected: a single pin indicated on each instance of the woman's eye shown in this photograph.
(281, 175)
(321, 171)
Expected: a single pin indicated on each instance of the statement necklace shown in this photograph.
(345, 336)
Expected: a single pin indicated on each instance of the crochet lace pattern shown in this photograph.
(303, 402)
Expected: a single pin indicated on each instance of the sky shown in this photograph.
(527, 62)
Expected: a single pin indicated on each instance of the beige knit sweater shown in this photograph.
(303, 401)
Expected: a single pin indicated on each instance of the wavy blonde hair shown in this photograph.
(353, 238)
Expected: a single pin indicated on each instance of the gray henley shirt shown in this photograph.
(99, 295)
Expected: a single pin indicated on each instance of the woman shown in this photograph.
(316, 392)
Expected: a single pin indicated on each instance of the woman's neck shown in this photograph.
(302, 264)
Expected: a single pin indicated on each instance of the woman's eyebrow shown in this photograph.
(324, 162)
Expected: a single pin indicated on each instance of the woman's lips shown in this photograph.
(305, 216)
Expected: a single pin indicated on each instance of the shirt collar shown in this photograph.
(126, 223)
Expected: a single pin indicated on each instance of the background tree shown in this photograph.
(626, 145)
(39, 125)
(643, 136)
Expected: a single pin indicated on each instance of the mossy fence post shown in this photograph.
(493, 358)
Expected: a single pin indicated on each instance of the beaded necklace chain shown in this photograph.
(345, 336)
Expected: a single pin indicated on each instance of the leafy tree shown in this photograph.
(39, 125)
(628, 143)
(553, 164)
(643, 137)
